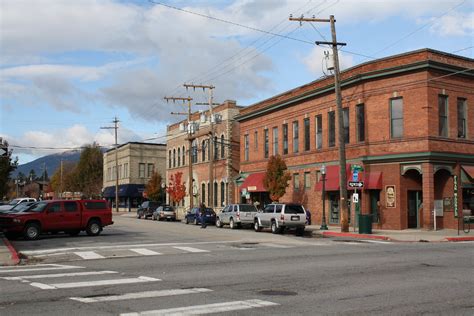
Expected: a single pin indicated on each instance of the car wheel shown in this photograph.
(195, 221)
(256, 226)
(186, 220)
(139, 215)
(300, 231)
(218, 223)
(32, 231)
(93, 228)
(275, 229)
(232, 224)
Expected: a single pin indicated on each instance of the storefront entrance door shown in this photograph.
(414, 206)
(333, 208)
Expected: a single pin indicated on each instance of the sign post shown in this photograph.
(355, 183)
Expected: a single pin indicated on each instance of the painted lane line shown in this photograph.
(88, 255)
(41, 269)
(147, 294)
(145, 252)
(71, 285)
(57, 275)
(191, 249)
(207, 309)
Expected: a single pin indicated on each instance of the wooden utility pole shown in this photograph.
(190, 143)
(211, 142)
(342, 146)
(115, 127)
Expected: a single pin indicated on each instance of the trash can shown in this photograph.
(365, 224)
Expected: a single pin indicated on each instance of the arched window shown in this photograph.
(203, 150)
(179, 156)
(184, 155)
(169, 158)
(222, 193)
(222, 146)
(203, 193)
(215, 194)
(194, 151)
(174, 158)
(208, 195)
(215, 148)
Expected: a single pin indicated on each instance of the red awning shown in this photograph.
(469, 170)
(372, 180)
(254, 183)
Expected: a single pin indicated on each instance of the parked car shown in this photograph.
(164, 212)
(194, 216)
(236, 215)
(14, 202)
(53, 216)
(21, 207)
(147, 208)
(280, 217)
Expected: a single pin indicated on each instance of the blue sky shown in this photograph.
(68, 68)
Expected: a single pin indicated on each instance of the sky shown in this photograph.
(68, 68)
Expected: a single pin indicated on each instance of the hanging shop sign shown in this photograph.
(390, 196)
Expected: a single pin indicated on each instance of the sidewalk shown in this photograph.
(8, 254)
(407, 235)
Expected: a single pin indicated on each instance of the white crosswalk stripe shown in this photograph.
(191, 249)
(140, 295)
(89, 255)
(71, 285)
(145, 252)
(57, 275)
(39, 267)
(207, 309)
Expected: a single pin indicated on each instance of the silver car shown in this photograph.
(164, 212)
(280, 217)
(236, 215)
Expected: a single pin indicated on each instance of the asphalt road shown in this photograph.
(171, 268)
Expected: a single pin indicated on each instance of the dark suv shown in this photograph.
(147, 208)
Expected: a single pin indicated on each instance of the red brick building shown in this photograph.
(225, 166)
(408, 121)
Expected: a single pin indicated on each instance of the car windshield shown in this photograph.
(247, 208)
(14, 202)
(168, 209)
(38, 207)
(294, 209)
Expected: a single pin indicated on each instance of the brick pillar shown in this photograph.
(428, 196)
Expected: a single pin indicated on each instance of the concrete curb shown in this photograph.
(14, 257)
(455, 239)
(353, 235)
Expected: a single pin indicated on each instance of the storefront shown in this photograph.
(130, 195)
(252, 190)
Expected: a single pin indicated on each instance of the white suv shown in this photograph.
(14, 202)
(280, 217)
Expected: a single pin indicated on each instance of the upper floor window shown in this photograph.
(275, 141)
(125, 170)
(150, 170)
(216, 153)
(296, 181)
(396, 118)
(296, 136)
(169, 158)
(331, 129)
(319, 131)
(255, 140)
(265, 140)
(307, 180)
(194, 154)
(443, 115)
(285, 139)
(120, 171)
(306, 134)
(174, 158)
(360, 117)
(345, 125)
(246, 147)
(141, 170)
(222, 147)
(179, 156)
(462, 118)
(184, 155)
(203, 150)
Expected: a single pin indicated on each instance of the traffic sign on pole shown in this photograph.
(3, 151)
(356, 184)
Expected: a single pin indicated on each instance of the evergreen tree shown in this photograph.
(87, 176)
(7, 166)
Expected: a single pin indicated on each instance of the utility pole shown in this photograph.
(342, 146)
(211, 136)
(190, 143)
(115, 127)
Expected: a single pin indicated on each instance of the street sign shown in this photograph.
(355, 198)
(356, 184)
(355, 176)
(3, 151)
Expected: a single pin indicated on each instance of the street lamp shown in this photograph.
(324, 226)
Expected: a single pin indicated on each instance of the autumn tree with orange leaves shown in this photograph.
(176, 189)
(276, 178)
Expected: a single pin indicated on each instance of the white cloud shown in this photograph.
(456, 24)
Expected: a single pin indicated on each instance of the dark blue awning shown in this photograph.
(125, 190)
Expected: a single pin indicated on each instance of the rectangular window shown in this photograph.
(296, 181)
(246, 147)
(120, 171)
(396, 118)
(360, 116)
(306, 134)
(296, 136)
(275, 141)
(109, 174)
(462, 118)
(141, 170)
(255, 140)
(150, 170)
(114, 173)
(331, 129)
(125, 170)
(443, 115)
(345, 124)
(285, 139)
(307, 180)
(265, 149)
(319, 131)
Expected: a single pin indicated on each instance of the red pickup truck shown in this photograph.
(70, 216)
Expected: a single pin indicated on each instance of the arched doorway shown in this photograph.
(413, 182)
